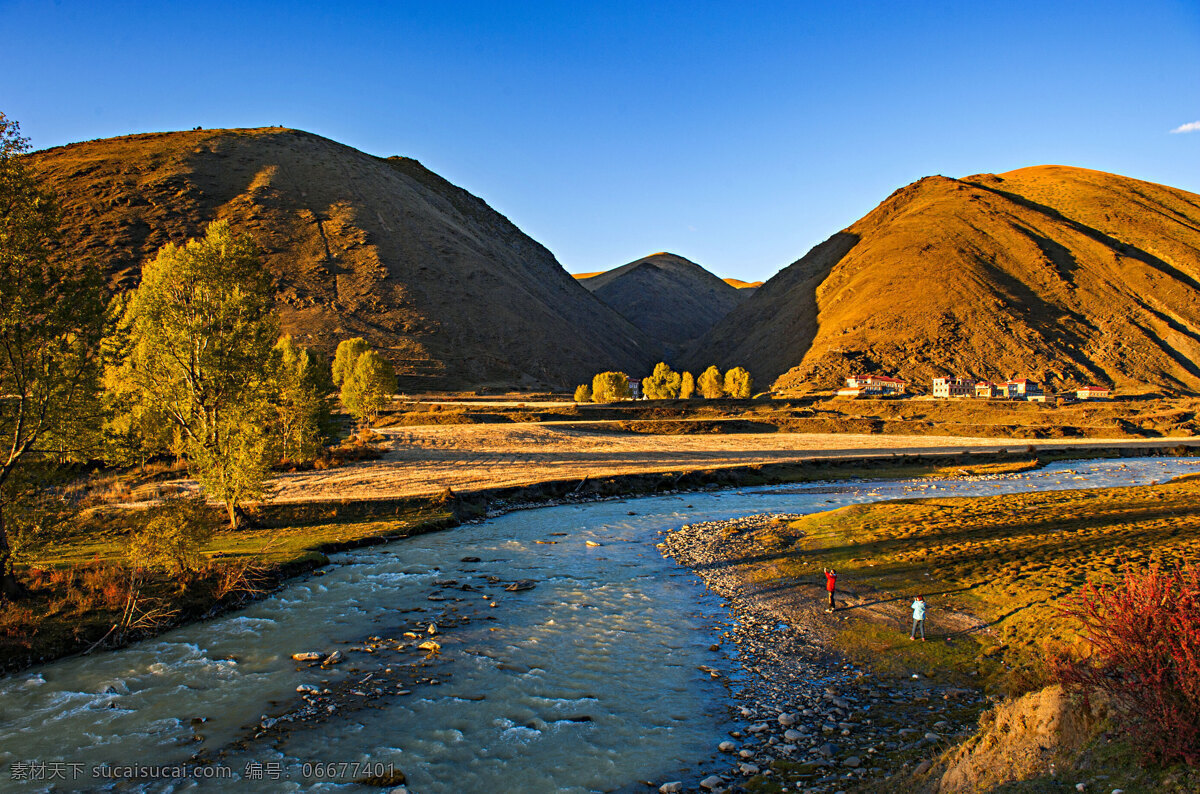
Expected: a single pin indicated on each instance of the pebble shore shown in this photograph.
(806, 720)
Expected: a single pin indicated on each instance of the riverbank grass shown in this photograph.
(84, 592)
(993, 569)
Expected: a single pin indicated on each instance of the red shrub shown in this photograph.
(1144, 637)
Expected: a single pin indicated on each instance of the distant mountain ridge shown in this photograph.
(1055, 273)
(448, 288)
(671, 299)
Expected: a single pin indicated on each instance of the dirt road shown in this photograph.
(429, 459)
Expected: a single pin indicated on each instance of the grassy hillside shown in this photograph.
(1055, 273)
(448, 288)
(671, 299)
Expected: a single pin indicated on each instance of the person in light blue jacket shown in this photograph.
(918, 608)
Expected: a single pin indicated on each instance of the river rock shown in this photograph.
(333, 658)
(727, 747)
(308, 688)
(433, 629)
(746, 753)
(829, 749)
(673, 787)
(520, 585)
(748, 769)
(853, 762)
(470, 559)
(590, 543)
(711, 783)
(792, 735)
(787, 720)
(307, 656)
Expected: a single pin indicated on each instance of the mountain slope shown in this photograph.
(448, 288)
(1056, 273)
(671, 299)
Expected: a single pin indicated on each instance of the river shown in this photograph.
(589, 681)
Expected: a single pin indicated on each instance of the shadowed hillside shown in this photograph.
(448, 288)
(1055, 273)
(672, 299)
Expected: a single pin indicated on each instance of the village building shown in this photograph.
(953, 387)
(991, 390)
(873, 386)
(876, 384)
(1023, 388)
(635, 387)
(1093, 393)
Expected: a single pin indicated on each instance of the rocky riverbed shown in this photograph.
(807, 719)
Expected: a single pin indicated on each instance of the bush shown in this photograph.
(173, 536)
(583, 393)
(712, 386)
(687, 386)
(664, 384)
(609, 387)
(1143, 635)
(738, 384)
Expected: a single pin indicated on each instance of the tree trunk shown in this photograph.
(10, 586)
(232, 509)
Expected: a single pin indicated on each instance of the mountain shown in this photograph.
(671, 299)
(449, 289)
(1055, 273)
(746, 288)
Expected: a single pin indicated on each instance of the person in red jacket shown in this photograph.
(830, 585)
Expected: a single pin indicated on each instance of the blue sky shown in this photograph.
(738, 134)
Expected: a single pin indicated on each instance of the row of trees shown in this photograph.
(666, 384)
(191, 362)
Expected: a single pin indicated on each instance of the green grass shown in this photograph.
(1007, 559)
(81, 583)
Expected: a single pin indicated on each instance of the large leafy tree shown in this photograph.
(711, 384)
(611, 387)
(738, 384)
(194, 346)
(302, 416)
(664, 384)
(348, 351)
(368, 387)
(51, 317)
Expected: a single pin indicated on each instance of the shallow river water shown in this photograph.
(588, 682)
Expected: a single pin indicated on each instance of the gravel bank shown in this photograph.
(807, 720)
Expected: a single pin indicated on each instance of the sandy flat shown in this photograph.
(429, 459)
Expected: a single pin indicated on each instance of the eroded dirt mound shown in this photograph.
(672, 299)
(453, 292)
(1059, 274)
(1019, 739)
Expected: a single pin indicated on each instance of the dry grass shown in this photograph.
(1005, 559)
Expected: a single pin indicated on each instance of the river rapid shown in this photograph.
(589, 681)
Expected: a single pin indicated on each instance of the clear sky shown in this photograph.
(738, 134)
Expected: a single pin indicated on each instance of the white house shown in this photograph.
(873, 385)
(953, 387)
(1093, 393)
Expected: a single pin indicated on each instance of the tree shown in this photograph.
(348, 351)
(738, 384)
(172, 537)
(664, 384)
(194, 347)
(609, 387)
(710, 384)
(302, 403)
(583, 393)
(369, 387)
(51, 317)
(687, 386)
